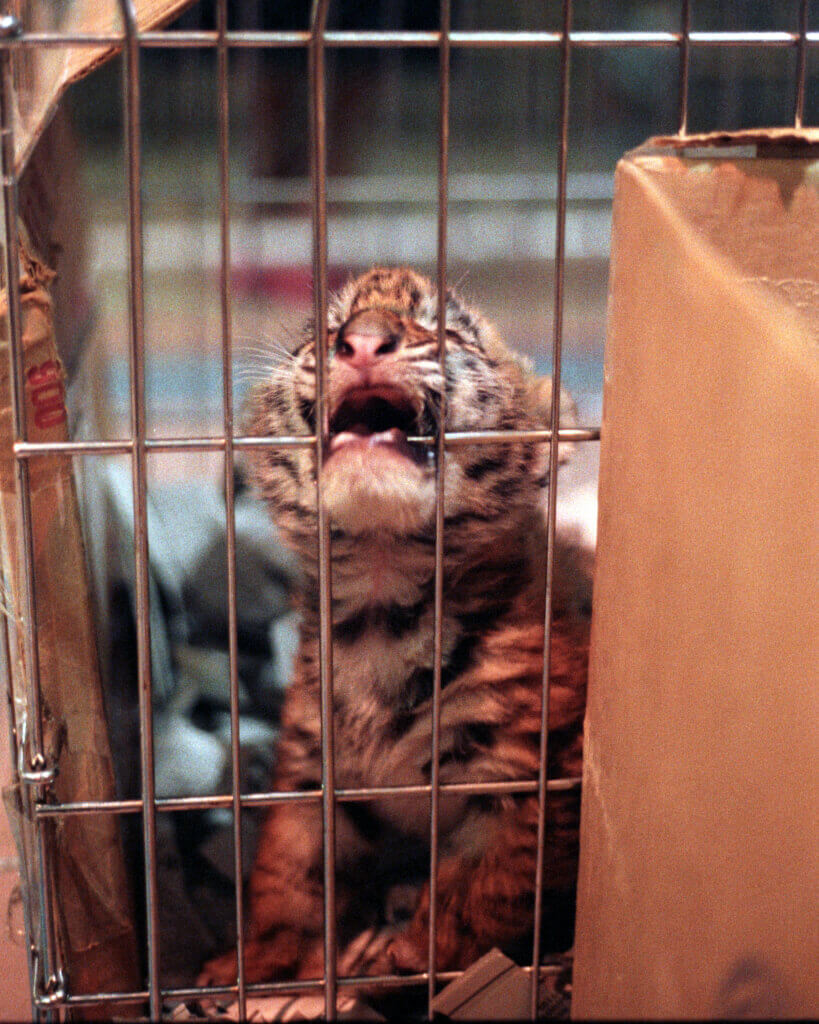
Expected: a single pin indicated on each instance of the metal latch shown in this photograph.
(51, 992)
(39, 772)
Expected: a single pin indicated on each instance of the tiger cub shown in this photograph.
(385, 384)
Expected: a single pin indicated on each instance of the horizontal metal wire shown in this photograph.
(96, 999)
(458, 438)
(467, 40)
(454, 439)
(251, 800)
(278, 987)
(124, 446)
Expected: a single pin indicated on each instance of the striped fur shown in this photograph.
(381, 506)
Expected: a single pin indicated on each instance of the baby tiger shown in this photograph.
(384, 386)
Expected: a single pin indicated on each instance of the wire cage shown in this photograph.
(34, 772)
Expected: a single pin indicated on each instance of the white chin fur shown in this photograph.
(367, 491)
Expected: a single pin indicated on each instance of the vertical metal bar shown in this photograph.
(440, 456)
(801, 65)
(34, 759)
(685, 65)
(10, 28)
(223, 130)
(17, 787)
(131, 113)
(551, 515)
(318, 125)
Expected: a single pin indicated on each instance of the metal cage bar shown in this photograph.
(204, 803)
(276, 987)
(318, 130)
(551, 512)
(223, 145)
(685, 64)
(801, 65)
(440, 465)
(179, 39)
(138, 447)
(32, 449)
(32, 768)
(136, 315)
(25, 856)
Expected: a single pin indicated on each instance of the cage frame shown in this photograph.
(49, 985)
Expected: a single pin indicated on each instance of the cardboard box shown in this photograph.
(42, 74)
(699, 853)
(95, 920)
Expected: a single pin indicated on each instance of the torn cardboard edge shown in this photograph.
(783, 180)
(770, 142)
(47, 77)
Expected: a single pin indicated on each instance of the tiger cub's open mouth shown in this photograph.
(379, 417)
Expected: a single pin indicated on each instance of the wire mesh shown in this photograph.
(316, 40)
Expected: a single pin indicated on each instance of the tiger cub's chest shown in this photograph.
(374, 751)
(383, 621)
(384, 737)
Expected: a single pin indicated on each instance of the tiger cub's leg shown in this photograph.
(285, 893)
(488, 900)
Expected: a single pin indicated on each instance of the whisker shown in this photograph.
(461, 279)
(267, 349)
(265, 363)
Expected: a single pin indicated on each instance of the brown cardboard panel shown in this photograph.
(798, 140)
(96, 924)
(699, 853)
(41, 75)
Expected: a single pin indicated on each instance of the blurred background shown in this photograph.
(382, 187)
(382, 192)
(382, 161)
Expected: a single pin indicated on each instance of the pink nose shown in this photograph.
(361, 350)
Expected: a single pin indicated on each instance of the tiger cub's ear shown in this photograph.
(541, 405)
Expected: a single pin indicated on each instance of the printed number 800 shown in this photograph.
(47, 393)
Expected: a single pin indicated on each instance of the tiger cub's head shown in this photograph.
(384, 387)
